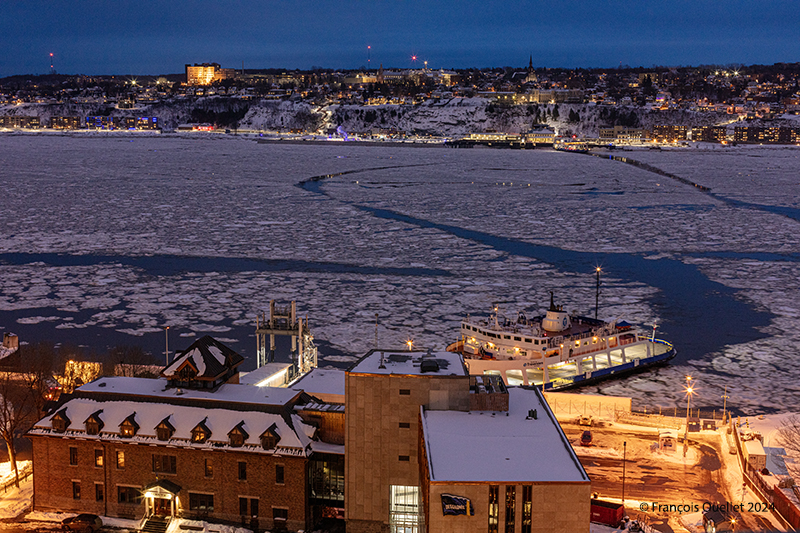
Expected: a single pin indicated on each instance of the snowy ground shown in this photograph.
(109, 239)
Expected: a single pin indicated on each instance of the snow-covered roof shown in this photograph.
(323, 383)
(483, 446)
(158, 388)
(208, 356)
(183, 418)
(264, 373)
(410, 363)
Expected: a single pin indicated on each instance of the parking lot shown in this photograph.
(656, 478)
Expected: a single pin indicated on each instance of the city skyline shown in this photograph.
(160, 37)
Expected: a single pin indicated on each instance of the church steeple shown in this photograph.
(530, 64)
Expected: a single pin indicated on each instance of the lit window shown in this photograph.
(404, 509)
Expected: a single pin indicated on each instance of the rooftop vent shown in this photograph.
(429, 365)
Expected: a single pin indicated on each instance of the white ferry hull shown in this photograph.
(571, 373)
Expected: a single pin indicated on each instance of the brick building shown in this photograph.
(194, 443)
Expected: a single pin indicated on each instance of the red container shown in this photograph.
(608, 513)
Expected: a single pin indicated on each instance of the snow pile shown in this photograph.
(182, 525)
(7, 470)
(48, 516)
(16, 500)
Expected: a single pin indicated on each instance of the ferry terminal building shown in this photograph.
(401, 442)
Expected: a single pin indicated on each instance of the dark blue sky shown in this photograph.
(159, 37)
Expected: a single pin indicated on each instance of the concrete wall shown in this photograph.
(53, 476)
(378, 451)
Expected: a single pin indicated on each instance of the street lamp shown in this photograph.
(689, 391)
(409, 343)
(724, 403)
(597, 294)
(624, 449)
(166, 334)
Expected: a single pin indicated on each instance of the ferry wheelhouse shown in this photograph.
(558, 350)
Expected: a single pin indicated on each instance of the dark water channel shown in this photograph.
(698, 315)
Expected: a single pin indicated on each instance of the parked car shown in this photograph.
(585, 420)
(586, 438)
(82, 522)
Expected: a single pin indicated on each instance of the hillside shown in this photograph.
(455, 116)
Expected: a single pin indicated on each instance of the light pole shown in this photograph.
(689, 391)
(624, 449)
(166, 335)
(597, 294)
(724, 403)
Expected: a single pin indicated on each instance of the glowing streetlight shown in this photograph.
(597, 294)
(689, 391)
(410, 344)
(166, 335)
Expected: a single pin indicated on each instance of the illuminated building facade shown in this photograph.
(65, 123)
(669, 133)
(207, 73)
(710, 134)
(194, 443)
(774, 135)
(22, 122)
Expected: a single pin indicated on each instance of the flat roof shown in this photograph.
(409, 363)
(229, 392)
(263, 373)
(486, 446)
(322, 381)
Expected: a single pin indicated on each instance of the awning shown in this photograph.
(162, 487)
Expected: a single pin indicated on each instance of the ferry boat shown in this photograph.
(558, 350)
(570, 145)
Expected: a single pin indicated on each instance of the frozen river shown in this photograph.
(107, 240)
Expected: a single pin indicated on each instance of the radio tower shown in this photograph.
(52, 64)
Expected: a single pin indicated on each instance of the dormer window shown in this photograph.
(201, 433)
(129, 427)
(270, 437)
(164, 430)
(60, 422)
(94, 423)
(238, 435)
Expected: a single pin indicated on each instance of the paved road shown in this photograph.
(655, 478)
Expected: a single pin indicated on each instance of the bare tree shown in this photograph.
(789, 438)
(37, 366)
(17, 413)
